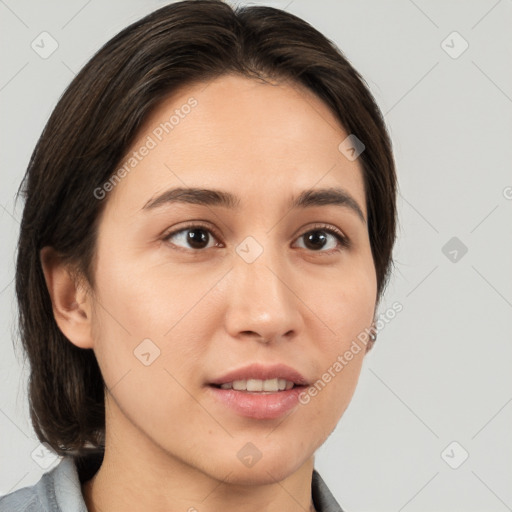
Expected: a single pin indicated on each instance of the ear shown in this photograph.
(71, 301)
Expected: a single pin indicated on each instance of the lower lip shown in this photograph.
(260, 406)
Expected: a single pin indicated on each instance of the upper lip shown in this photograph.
(262, 372)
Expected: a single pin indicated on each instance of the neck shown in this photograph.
(138, 475)
(120, 486)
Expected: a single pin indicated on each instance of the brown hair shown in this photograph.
(91, 129)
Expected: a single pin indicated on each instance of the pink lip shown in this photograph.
(259, 405)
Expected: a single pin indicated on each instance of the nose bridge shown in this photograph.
(263, 277)
(261, 300)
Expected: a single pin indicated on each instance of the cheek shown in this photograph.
(148, 341)
(145, 300)
(344, 302)
(152, 323)
(344, 310)
(327, 398)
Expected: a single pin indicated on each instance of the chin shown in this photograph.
(261, 473)
(251, 467)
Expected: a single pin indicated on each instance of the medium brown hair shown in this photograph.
(91, 129)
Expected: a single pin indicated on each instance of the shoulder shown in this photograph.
(22, 500)
(58, 490)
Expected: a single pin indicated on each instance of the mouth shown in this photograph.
(258, 385)
(259, 378)
(258, 391)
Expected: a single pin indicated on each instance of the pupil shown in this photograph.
(197, 237)
(314, 237)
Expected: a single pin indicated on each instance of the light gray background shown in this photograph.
(440, 371)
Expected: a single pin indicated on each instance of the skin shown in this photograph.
(169, 444)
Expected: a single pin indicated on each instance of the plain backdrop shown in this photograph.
(429, 428)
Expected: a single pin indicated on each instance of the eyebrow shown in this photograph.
(211, 197)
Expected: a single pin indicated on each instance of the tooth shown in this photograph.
(240, 385)
(270, 385)
(254, 385)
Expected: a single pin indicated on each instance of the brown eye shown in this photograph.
(323, 240)
(191, 237)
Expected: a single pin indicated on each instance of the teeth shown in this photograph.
(269, 385)
(255, 385)
(240, 385)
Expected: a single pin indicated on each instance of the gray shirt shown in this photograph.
(59, 490)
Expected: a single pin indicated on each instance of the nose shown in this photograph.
(262, 302)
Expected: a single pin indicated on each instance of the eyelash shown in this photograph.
(344, 242)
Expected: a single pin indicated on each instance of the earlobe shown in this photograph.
(372, 337)
(71, 302)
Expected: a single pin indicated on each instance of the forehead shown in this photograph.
(258, 140)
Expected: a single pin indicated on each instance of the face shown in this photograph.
(203, 309)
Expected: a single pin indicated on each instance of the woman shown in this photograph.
(208, 230)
